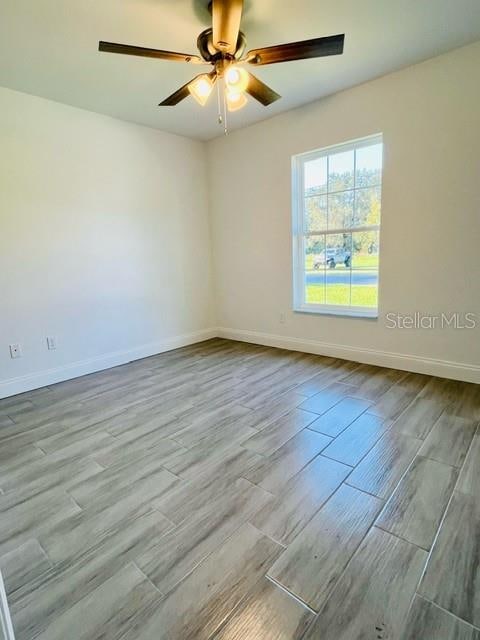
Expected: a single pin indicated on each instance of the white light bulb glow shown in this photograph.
(235, 100)
(236, 79)
(201, 88)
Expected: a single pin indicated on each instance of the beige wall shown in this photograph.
(105, 237)
(104, 241)
(429, 115)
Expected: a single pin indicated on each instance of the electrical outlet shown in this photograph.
(15, 351)
(51, 343)
(283, 318)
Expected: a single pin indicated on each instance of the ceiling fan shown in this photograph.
(223, 46)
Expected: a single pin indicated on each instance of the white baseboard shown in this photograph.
(13, 386)
(405, 362)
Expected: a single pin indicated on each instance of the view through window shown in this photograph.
(337, 204)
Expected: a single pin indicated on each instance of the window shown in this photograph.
(336, 228)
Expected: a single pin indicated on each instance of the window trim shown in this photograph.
(298, 233)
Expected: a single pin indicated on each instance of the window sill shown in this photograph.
(324, 310)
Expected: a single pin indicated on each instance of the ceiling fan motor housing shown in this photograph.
(210, 54)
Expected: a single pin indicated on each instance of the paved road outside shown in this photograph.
(342, 277)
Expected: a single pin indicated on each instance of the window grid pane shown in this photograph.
(341, 205)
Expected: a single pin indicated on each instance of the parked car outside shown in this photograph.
(331, 257)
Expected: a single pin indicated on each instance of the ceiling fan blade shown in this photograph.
(226, 15)
(129, 50)
(316, 48)
(260, 91)
(183, 92)
(176, 97)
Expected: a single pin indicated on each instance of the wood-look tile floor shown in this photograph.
(230, 491)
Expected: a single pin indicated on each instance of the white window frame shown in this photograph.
(299, 232)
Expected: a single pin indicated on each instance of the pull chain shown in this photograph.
(222, 113)
(225, 128)
(220, 117)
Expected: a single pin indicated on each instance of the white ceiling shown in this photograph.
(49, 48)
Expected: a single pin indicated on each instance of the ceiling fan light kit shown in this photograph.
(223, 47)
(235, 101)
(236, 79)
(201, 88)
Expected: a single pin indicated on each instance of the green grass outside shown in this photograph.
(362, 295)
